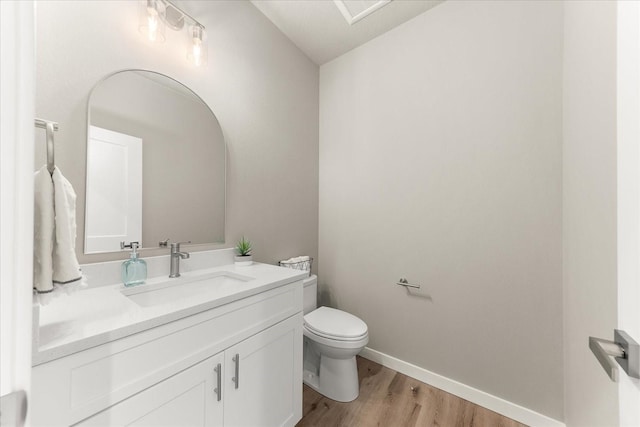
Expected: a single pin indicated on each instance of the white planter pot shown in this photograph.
(243, 261)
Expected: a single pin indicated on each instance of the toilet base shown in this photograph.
(337, 379)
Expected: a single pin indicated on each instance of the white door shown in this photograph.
(114, 190)
(263, 377)
(601, 205)
(628, 127)
(189, 398)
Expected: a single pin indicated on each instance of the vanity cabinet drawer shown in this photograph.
(70, 389)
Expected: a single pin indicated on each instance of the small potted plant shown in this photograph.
(244, 253)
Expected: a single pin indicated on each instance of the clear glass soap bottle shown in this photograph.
(134, 270)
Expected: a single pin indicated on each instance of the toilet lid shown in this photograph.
(330, 322)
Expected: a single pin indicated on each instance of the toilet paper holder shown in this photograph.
(404, 282)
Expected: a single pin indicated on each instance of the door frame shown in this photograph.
(17, 83)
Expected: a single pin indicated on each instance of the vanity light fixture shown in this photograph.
(156, 14)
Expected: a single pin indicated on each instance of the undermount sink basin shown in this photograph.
(183, 287)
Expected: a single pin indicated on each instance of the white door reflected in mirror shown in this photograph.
(114, 190)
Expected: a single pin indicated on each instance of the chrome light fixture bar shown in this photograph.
(154, 15)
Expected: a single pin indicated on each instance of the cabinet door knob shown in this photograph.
(236, 379)
(218, 389)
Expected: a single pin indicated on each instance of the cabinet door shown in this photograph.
(188, 398)
(263, 377)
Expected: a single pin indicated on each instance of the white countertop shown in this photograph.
(102, 314)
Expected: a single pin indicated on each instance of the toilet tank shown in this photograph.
(310, 294)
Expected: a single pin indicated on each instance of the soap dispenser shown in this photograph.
(134, 270)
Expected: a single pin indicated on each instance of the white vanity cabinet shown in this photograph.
(239, 364)
(262, 378)
(188, 398)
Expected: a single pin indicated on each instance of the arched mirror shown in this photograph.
(156, 160)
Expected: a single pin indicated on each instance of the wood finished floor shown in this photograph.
(391, 399)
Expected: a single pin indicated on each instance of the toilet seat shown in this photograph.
(335, 324)
(358, 343)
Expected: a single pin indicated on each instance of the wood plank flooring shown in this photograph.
(391, 399)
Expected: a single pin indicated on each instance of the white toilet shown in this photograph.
(332, 338)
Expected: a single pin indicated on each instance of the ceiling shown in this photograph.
(319, 28)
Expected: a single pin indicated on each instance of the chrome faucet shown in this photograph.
(176, 255)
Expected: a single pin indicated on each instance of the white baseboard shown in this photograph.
(493, 403)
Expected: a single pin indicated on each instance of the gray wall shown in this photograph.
(589, 208)
(440, 161)
(263, 90)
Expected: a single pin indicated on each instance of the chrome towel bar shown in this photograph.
(41, 123)
(50, 127)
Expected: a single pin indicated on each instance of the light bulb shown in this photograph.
(151, 20)
(197, 52)
(152, 23)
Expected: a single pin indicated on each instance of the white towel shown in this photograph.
(296, 259)
(43, 232)
(56, 267)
